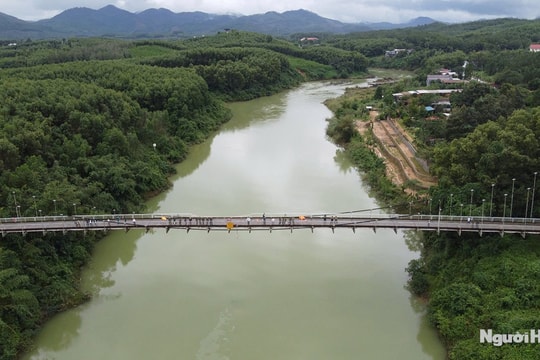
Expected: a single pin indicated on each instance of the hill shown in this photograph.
(152, 23)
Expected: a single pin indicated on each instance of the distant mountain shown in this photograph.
(291, 22)
(419, 21)
(12, 28)
(112, 21)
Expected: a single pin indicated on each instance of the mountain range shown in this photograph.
(151, 23)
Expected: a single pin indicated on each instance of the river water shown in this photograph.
(259, 295)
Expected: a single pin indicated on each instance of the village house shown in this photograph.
(309, 39)
(534, 47)
(442, 105)
(444, 76)
(438, 78)
(395, 52)
(411, 93)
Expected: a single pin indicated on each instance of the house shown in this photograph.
(534, 47)
(309, 41)
(444, 76)
(395, 52)
(448, 72)
(438, 78)
(443, 93)
(312, 39)
(443, 106)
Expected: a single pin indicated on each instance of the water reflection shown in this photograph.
(117, 251)
(413, 239)
(426, 336)
(252, 112)
(64, 330)
(344, 163)
(256, 111)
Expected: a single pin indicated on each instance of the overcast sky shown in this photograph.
(350, 11)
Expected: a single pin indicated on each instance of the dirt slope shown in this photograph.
(395, 147)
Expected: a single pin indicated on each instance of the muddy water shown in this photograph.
(278, 295)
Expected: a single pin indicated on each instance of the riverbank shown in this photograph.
(252, 295)
(381, 148)
(470, 282)
(395, 146)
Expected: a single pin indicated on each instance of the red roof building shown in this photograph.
(534, 47)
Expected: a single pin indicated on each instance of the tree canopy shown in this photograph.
(95, 126)
(486, 145)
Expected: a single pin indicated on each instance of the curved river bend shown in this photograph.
(258, 296)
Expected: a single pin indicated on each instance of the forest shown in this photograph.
(96, 125)
(486, 156)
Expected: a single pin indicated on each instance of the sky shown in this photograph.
(348, 11)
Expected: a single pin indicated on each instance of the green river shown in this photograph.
(259, 295)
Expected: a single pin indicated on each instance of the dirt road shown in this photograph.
(395, 147)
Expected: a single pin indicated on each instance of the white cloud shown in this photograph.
(342, 10)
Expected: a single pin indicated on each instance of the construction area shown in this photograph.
(395, 146)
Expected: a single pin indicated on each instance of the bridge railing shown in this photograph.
(475, 219)
(364, 216)
(97, 217)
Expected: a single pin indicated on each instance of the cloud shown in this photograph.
(443, 10)
(342, 10)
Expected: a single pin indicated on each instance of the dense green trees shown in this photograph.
(28, 53)
(488, 145)
(236, 73)
(480, 283)
(472, 282)
(19, 308)
(497, 151)
(489, 282)
(79, 119)
(78, 137)
(94, 126)
(262, 66)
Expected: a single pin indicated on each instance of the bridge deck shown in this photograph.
(146, 222)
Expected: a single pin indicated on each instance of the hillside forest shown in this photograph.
(96, 125)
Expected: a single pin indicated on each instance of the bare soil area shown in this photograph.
(394, 145)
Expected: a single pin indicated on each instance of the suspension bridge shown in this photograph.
(272, 222)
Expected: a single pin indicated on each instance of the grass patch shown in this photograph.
(312, 70)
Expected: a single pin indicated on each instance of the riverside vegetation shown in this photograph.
(492, 137)
(80, 118)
